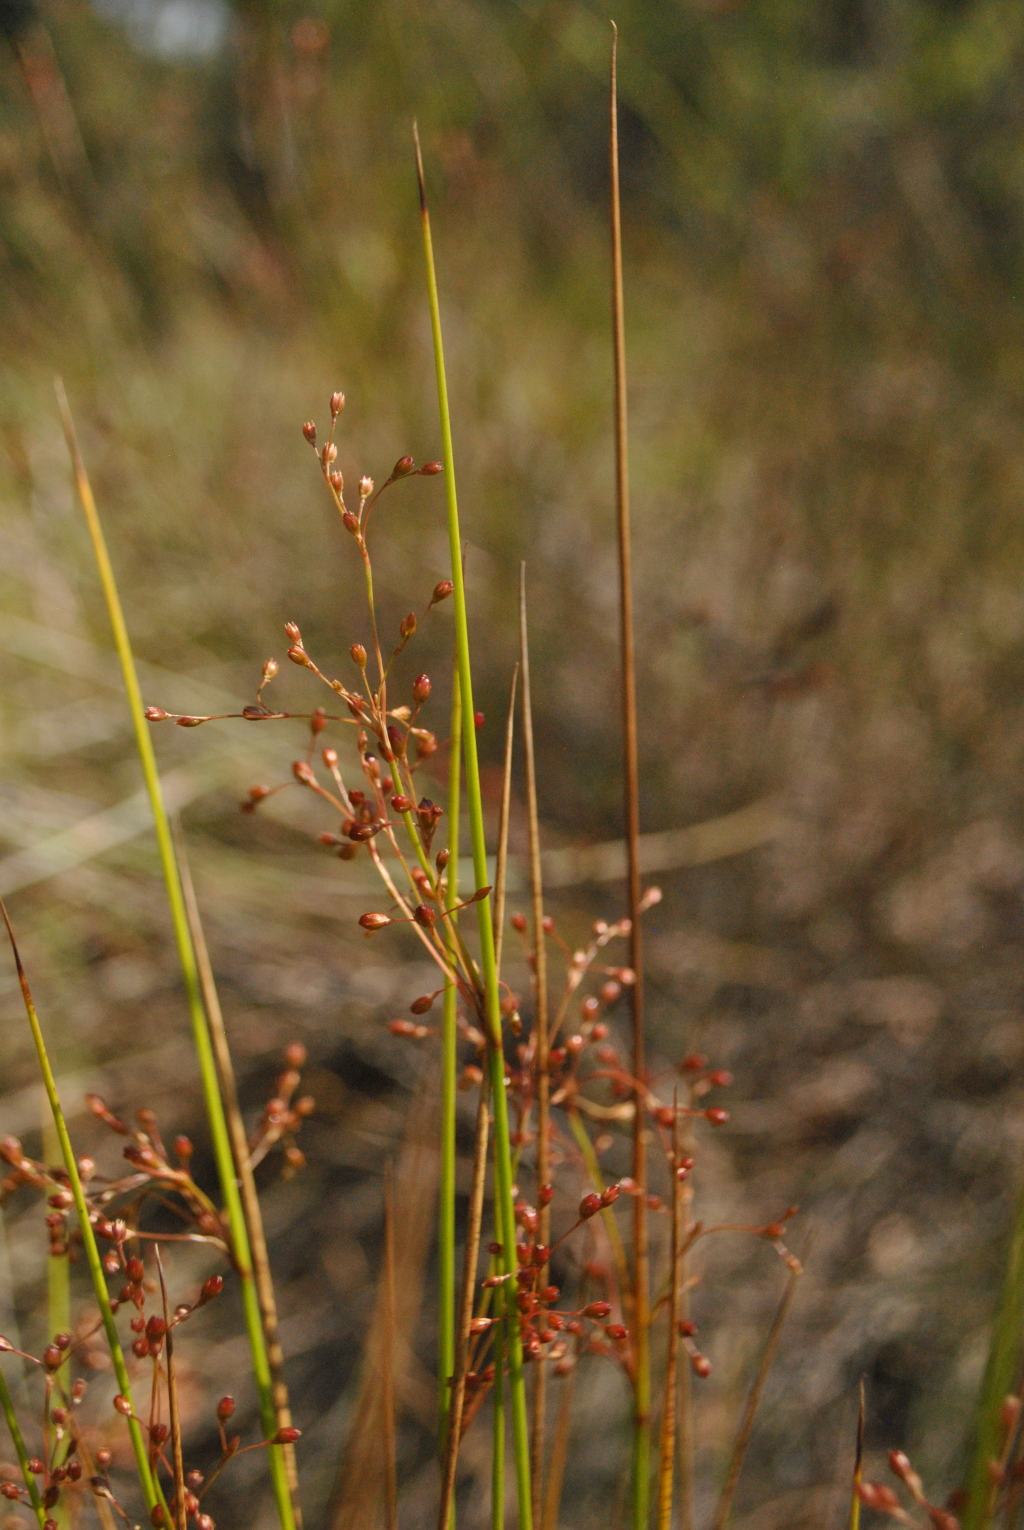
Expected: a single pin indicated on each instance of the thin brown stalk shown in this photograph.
(746, 1428)
(465, 1313)
(180, 1516)
(388, 1356)
(641, 1276)
(540, 1034)
(684, 1376)
(668, 1418)
(262, 1276)
(501, 866)
(559, 1455)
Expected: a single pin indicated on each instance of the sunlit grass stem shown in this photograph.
(474, 798)
(201, 1035)
(17, 1439)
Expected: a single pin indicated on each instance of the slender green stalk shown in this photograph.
(640, 1321)
(858, 1465)
(491, 995)
(449, 1097)
(1004, 1354)
(7, 1404)
(58, 1297)
(200, 1030)
(150, 1487)
(498, 1431)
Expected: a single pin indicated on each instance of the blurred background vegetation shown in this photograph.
(207, 222)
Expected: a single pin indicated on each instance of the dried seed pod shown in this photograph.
(441, 591)
(407, 626)
(156, 714)
(357, 654)
(298, 656)
(590, 1205)
(421, 689)
(287, 1436)
(431, 469)
(212, 1286)
(597, 1310)
(421, 1005)
(337, 404)
(403, 467)
(374, 921)
(350, 523)
(309, 431)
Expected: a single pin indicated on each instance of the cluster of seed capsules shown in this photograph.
(881, 1498)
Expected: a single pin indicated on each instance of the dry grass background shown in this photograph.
(824, 263)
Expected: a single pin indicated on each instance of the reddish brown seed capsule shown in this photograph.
(211, 1287)
(518, 922)
(309, 431)
(357, 653)
(616, 1331)
(300, 656)
(318, 721)
(336, 480)
(303, 772)
(156, 714)
(716, 1115)
(103, 1457)
(36, 1467)
(429, 469)
(225, 1408)
(441, 591)
(337, 404)
(721, 1078)
(421, 689)
(424, 915)
(597, 1310)
(478, 720)
(403, 467)
(693, 1062)
(373, 921)
(350, 522)
(407, 626)
(545, 1195)
(401, 804)
(9, 1490)
(590, 1205)
(701, 1365)
(287, 1436)
(421, 1005)
(135, 1270)
(204, 1522)
(122, 1405)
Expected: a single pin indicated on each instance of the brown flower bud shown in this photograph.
(287, 1436)
(401, 804)
(441, 591)
(424, 915)
(300, 656)
(407, 626)
(365, 486)
(328, 453)
(156, 714)
(357, 653)
(212, 1286)
(421, 1005)
(597, 1310)
(403, 467)
(421, 689)
(292, 632)
(350, 522)
(716, 1115)
(189, 722)
(336, 481)
(590, 1205)
(337, 404)
(309, 431)
(122, 1405)
(374, 921)
(225, 1408)
(302, 771)
(429, 469)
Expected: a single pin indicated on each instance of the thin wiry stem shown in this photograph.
(449, 1091)
(387, 1398)
(491, 995)
(7, 1404)
(465, 1316)
(640, 1316)
(666, 1472)
(243, 1162)
(220, 1137)
(150, 1487)
(540, 1034)
(58, 1277)
(684, 1376)
(559, 1454)
(745, 1430)
(858, 1464)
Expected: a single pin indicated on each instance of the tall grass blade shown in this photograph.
(449, 1093)
(469, 1265)
(540, 1033)
(200, 1030)
(1004, 1353)
(640, 1317)
(240, 1151)
(474, 798)
(150, 1487)
(745, 1430)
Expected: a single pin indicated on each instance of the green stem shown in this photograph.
(449, 1093)
(491, 995)
(92, 1257)
(186, 953)
(999, 1380)
(6, 1402)
(498, 1445)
